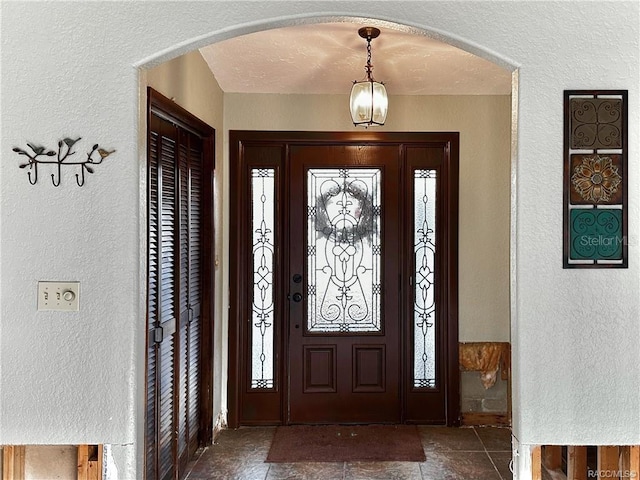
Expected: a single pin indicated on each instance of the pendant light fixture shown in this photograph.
(368, 101)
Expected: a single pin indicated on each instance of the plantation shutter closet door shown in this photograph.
(178, 340)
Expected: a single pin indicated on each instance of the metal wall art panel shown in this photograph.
(595, 179)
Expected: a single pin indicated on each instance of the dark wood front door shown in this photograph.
(344, 290)
(344, 269)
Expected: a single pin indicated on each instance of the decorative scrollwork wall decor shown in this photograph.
(595, 179)
(44, 156)
(596, 123)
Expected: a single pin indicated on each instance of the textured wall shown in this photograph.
(69, 68)
(189, 82)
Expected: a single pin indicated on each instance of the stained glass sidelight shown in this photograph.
(424, 310)
(262, 304)
(343, 250)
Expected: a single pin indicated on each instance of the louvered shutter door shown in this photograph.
(168, 302)
(195, 288)
(183, 168)
(161, 361)
(175, 297)
(190, 168)
(152, 306)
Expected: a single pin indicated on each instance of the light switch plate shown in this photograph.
(63, 296)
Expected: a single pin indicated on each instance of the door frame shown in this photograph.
(277, 400)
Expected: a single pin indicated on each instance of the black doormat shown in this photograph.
(346, 443)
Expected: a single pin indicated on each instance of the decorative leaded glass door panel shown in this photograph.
(344, 290)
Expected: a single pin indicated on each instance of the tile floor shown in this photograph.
(478, 453)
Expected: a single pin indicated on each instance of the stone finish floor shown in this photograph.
(476, 453)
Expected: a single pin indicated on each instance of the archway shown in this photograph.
(222, 185)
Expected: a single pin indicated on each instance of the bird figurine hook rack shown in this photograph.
(39, 155)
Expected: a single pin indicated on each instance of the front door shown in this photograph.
(344, 289)
(344, 266)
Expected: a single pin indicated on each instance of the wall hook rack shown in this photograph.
(43, 156)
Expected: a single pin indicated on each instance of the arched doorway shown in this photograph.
(224, 224)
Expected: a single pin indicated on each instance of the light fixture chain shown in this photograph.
(369, 66)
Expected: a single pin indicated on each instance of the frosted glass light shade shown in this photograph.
(368, 103)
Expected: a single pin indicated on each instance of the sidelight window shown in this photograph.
(424, 309)
(262, 305)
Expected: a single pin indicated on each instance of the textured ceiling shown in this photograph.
(327, 58)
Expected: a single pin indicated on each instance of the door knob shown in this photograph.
(297, 297)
